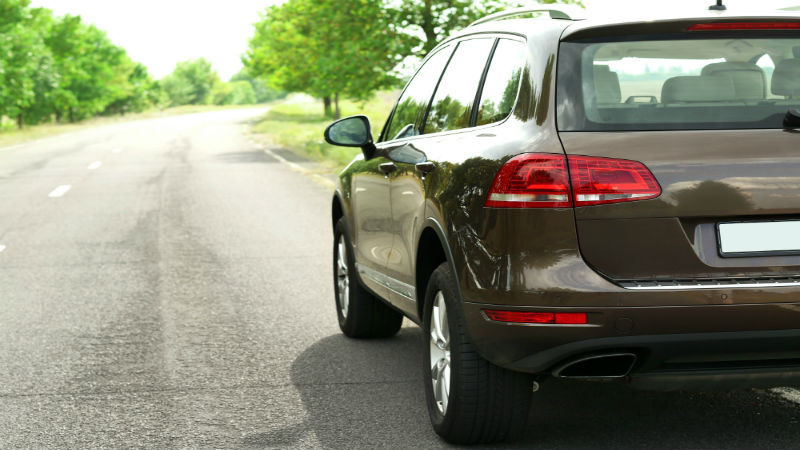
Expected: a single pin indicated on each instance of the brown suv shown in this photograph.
(581, 199)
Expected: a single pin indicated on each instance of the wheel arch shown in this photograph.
(337, 209)
(433, 249)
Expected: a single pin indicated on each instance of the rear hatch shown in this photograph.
(702, 105)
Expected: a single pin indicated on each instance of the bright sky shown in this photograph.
(159, 33)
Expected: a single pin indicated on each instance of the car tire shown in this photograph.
(470, 400)
(361, 314)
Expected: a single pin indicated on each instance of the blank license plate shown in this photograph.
(759, 237)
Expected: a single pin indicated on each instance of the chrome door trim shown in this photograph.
(729, 283)
(398, 287)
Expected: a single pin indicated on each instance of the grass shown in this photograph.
(10, 134)
(298, 122)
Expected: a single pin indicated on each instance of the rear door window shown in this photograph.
(678, 84)
(410, 110)
(455, 97)
(502, 82)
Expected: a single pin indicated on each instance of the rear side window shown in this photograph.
(452, 105)
(410, 110)
(678, 84)
(502, 82)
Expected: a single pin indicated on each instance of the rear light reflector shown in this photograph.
(597, 181)
(722, 26)
(544, 180)
(536, 317)
(531, 180)
(571, 318)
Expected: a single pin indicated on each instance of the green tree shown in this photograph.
(89, 65)
(136, 90)
(63, 67)
(26, 64)
(12, 12)
(327, 48)
(191, 83)
(242, 93)
(234, 93)
(262, 91)
(221, 93)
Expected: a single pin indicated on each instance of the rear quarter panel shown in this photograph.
(490, 247)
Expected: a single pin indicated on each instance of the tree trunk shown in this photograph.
(337, 113)
(429, 28)
(20, 122)
(327, 102)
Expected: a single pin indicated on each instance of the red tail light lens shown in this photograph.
(745, 26)
(571, 318)
(536, 317)
(531, 180)
(597, 181)
(534, 180)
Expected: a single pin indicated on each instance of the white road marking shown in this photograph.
(2, 247)
(298, 168)
(59, 191)
(793, 395)
(116, 150)
(95, 165)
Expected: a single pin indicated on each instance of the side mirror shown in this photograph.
(354, 131)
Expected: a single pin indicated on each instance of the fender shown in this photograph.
(339, 198)
(434, 224)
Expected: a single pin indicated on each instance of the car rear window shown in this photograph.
(677, 84)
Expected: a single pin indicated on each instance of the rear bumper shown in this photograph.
(677, 347)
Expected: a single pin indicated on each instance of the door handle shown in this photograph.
(387, 168)
(425, 167)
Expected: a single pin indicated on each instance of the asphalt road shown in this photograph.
(166, 284)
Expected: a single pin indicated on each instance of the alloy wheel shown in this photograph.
(342, 278)
(440, 353)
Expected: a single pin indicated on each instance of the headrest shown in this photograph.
(689, 89)
(606, 84)
(601, 68)
(749, 81)
(786, 78)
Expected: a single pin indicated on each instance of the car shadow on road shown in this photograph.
(368, 394)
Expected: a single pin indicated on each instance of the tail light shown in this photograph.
(597, 181)
(533, 180)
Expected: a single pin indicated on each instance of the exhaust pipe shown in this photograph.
(604, 366)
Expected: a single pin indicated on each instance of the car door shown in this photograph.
(372, 218)
(371, 184)
(451, 108)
